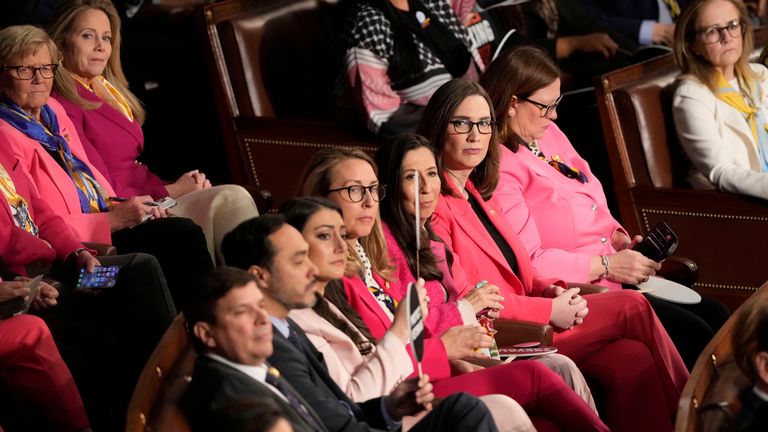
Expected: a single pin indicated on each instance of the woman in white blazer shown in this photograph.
(720, 105)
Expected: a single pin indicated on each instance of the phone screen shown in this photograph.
(102, 277)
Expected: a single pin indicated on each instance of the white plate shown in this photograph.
(670, 291)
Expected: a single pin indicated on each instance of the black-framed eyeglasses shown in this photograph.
(463, 126)
(716, 33)
(546, 110)
(28, 72)
(356, 193)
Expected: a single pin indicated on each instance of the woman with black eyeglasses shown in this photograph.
(557, 207)
(614, 337)
(720, 104)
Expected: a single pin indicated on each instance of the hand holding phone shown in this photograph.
(164, 203)
(102, 277)
(659, 243)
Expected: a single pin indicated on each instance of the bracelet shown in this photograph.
(604, 260)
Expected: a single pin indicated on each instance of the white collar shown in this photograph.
(760, 393)
(259, 373)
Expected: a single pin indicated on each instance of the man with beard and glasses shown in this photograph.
(276, 256)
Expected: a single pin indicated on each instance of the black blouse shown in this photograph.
(501, 243)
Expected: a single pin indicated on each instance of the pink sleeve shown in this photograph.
(442, 315)
(54, 230)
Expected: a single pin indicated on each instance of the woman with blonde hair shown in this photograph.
(92, 87)
(720, 106)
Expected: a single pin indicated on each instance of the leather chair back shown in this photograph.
(649, 171)
(280, 59)
(273, 66)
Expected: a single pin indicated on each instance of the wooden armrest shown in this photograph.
(587, 289)
(679, 269)
(101, 249)
(511, 332)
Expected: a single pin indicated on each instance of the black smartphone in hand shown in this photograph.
(659, 243)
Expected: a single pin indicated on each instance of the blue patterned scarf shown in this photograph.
(46, 132)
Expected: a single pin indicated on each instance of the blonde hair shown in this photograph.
(694, 64)
(317, 180)
(25, 40)
(65, 83)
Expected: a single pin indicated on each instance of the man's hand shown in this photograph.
(410, 397)
(663, 34)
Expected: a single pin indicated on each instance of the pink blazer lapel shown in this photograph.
(361, 299)
(475, 231)
(107, 112)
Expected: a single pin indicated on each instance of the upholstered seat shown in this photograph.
(273, 65)
(723, 233)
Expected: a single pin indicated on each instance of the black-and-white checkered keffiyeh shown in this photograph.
(368, 28)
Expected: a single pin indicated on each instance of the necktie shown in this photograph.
(556, 163)
(273, 379)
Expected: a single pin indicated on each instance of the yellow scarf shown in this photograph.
(752, 114)
(109, 94)
(19, 204)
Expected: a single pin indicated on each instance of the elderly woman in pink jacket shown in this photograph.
(557, 207)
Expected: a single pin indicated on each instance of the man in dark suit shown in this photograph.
(232, 331)
(643, 21)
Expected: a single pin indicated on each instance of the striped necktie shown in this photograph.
(273, 379)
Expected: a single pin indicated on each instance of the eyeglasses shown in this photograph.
(716, 33)
(546, 110)
(463, 126)
(356, 193)
(28, 72)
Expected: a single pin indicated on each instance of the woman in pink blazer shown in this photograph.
(367, 369)
(620, 343)
(111, 334)
(39, 139)
(92, 88)
(563, 218)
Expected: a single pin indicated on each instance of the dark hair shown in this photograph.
(519, 72)
(750, 334)
(201, 302)
(249, 243)
(434, 124)
(297, 212)
(254, 414)
(390, 158)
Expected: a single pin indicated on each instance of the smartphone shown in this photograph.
(102, 277)
(659, 243)
(164, 203)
